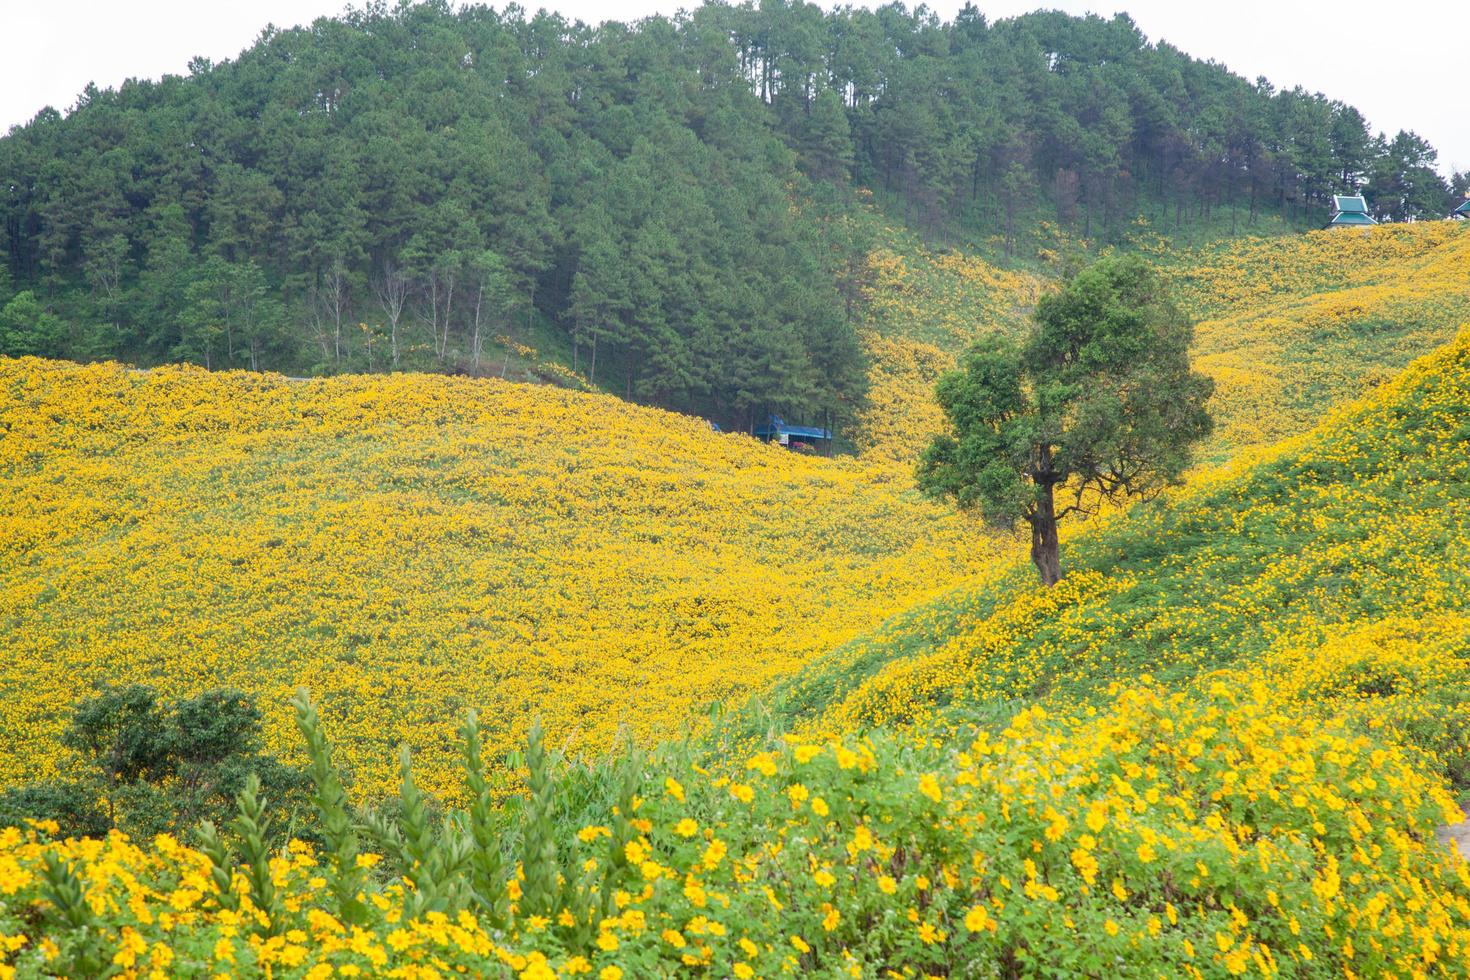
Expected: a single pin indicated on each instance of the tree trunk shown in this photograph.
(1045, 549)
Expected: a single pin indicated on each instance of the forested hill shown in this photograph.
(665, 205)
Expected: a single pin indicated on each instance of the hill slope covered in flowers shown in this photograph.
(1288, 325)
(408, 546)
(1332, 570)
(1031, 801)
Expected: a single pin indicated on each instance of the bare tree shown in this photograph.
(490, 282)
(334, 295)
(439, 285)
(392, 291)
(104, 268)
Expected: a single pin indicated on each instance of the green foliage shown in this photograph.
(335, 823)
(28, 328)
(72, 804)
(252, 828)
(486, 866)
(157, 767)
(1403, 184)
(85, 947)
(1098, 401)
(539, 858)
(667, 203)
(122, 733)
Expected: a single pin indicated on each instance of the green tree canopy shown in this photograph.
(154, 766)
(660, 194)
(1097, 404)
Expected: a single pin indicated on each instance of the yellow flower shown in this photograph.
(977, 918)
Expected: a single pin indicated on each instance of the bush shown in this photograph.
(148, 768)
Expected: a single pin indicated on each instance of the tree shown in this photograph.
(1098, 403)
(105, 267)
(826, 141)
(646, 187)
(26, 327)
(391, 289)
(331, 296)
(161, 300)
(156, 767)
(230, 301)
(490, 302)
(600, 297)
(1405, 186)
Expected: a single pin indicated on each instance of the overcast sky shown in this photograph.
(1396, 62)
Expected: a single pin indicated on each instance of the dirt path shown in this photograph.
(1457, 836)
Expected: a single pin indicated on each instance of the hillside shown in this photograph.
(407, 545)
(1287, 326)
(484, 639)
(1211, 752)
(1332, 572)
(410, 545)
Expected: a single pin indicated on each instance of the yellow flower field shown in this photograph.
(1329, 571)
(923, 309)
(1163, 835)
(1290, 324)
(410, 546)
(1287, 325)
(1218, 748)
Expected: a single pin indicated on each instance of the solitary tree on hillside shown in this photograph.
(1098, 403)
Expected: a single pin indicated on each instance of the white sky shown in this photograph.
(1398, 63)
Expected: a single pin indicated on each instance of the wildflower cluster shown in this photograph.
(1168, 834)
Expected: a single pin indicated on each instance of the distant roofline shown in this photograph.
(802, 431)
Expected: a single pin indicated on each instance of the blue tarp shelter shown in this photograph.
(776, 430)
